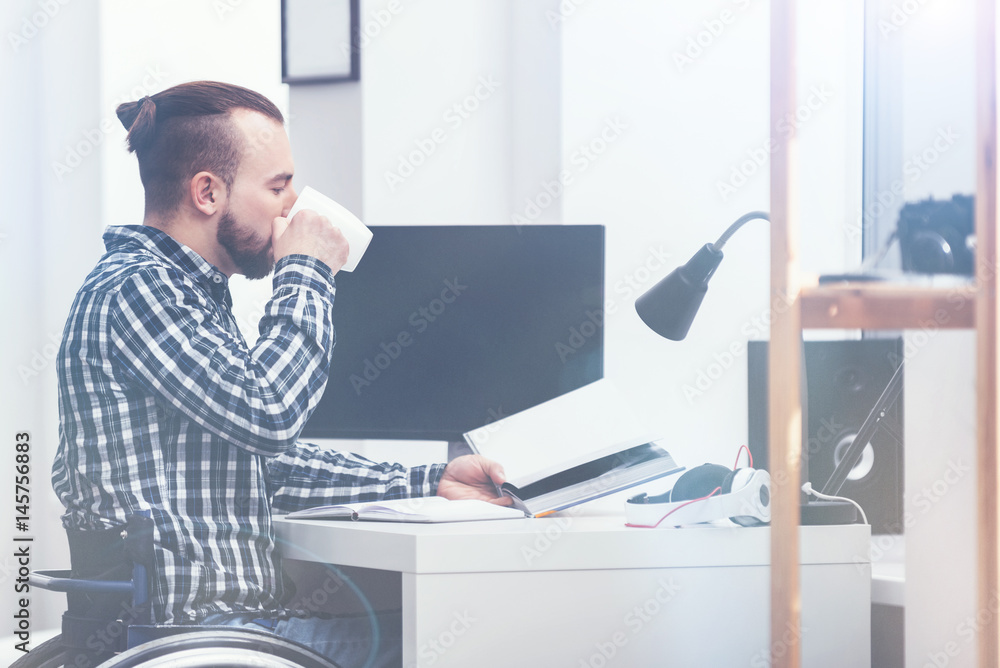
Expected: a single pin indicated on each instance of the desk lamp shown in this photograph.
(669, 307)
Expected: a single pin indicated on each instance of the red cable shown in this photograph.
(653, 526)
(740, 452)
(710, 494)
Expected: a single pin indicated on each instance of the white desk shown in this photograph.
(587, 591)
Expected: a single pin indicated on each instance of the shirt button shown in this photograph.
(217, 279)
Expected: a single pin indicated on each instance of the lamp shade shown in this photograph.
(669, 307)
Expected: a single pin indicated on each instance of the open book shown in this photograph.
(577, 447)
(425, 509)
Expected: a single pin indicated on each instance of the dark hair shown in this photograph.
(186, 129)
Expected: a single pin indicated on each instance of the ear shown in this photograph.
(207, 193)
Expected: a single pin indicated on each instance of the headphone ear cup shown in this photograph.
(737, 480)
(761, 501)
(699, 481)
(727, 482)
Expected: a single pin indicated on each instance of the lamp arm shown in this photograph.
(740, 222)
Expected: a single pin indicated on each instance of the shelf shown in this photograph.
(888, 306)
(878, 306)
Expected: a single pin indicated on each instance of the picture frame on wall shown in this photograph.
(319, 41)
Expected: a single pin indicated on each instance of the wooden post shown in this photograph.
(785, 437)
(987, 331)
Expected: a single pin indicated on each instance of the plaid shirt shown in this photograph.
(163, 407)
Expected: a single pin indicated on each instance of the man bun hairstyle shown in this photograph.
(187, 129)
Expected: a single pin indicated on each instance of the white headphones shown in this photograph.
(703, 494)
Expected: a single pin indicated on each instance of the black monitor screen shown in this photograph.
(444, 329)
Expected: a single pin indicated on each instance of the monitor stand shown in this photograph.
(457, 449)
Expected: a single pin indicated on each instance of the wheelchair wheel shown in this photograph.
(47, 655)
(230, 648)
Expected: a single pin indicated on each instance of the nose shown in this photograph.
(292, 195)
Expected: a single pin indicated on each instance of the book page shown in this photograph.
(576, 427)
(577, 486)
(577, 460)
(617, 461)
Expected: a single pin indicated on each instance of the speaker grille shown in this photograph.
(844, 380)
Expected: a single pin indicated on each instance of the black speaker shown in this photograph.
(844, 379)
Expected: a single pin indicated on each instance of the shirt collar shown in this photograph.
(164, 246)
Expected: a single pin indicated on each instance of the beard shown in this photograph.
(250, 253)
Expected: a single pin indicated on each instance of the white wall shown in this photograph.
(940, 501)
(691, 83)
(49, 228)
(432, 57)
(921, 109)
(652, 147)
(938, 123)
(66, 175)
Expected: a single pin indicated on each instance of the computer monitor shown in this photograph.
(445, 329)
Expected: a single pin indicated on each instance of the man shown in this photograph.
(163, 406)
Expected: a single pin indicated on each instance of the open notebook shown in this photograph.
(426, 509)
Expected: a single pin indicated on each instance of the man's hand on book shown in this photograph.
(473, 477)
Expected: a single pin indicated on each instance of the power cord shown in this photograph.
(808, 489)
